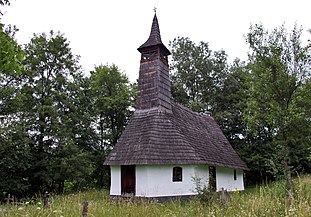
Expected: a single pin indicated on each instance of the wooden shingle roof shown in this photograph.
(180, 136)
(154, 38)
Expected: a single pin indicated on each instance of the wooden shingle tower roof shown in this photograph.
(154, 38)
(162, 131)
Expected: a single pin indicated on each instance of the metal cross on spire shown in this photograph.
(155, 10)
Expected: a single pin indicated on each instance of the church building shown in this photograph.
(165, 145)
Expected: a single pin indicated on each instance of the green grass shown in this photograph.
(265, 200)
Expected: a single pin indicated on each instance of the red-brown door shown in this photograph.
(128, 180)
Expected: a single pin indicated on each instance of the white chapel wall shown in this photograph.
(115, 187)
(156, 181)
(201, 175)
(225, 179)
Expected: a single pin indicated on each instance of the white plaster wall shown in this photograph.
(225, 179)
(115, 187)
(141, 180)
(201, 174)
(156, 181)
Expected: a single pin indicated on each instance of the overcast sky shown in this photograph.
(103, 31)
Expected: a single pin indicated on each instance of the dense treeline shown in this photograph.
(57, 125)
(263, 105)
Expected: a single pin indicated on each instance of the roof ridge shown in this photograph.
(148, 110)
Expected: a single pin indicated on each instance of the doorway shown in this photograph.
(212, 178)
(128, 179)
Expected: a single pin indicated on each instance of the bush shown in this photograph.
(205, 193)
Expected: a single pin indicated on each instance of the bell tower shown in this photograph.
(154, 87)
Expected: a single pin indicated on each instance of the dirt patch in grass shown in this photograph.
(307, 179)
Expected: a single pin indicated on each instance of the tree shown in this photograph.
(203, 81)
(277, 103)
(197, 73)
(52, 112)
(230, 103)
(11, 56)
(4, 2)
(15, 158)
(112, 98)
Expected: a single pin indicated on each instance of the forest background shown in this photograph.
(58, 124)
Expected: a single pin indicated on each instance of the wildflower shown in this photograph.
(292, 210)
(20, 208)
(26, 203)
(57, 211)
(38, 208)
(235, 190)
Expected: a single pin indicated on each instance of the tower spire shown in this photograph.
(154, 37)
(154, 87)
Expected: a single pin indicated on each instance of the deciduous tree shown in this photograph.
(280, 72)
(197, 73)
(51, 111)
(112, 98)
(14, 152)
(11, 56)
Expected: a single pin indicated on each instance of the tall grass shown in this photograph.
(265, 200)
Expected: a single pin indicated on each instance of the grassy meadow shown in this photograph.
(264, 200)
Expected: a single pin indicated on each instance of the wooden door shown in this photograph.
(212, 178)
(128, 180)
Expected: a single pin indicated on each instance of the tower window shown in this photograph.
(234, 175)
(177, 174)
(149, 54)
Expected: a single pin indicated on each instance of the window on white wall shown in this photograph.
(177, 174)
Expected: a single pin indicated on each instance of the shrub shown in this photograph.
(205, 193)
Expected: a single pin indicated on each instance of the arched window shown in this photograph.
(177, 174)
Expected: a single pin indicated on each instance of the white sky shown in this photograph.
(103, 31)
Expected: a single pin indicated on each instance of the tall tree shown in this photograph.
(197, 73)
(15, 158)
(230, 103)
(50, 105)
(280, 71)
(112, 102)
